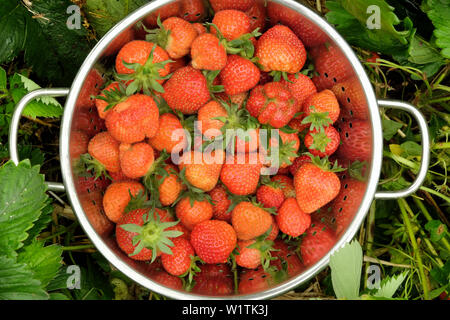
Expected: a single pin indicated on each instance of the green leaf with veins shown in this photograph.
(43, 261)
(22, 197)
(346, 265)
(17, 282)
(390, 285)
(350, 18)
(439, 13)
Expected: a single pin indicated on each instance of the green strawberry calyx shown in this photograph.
(153, 234)
(325, 164)
(320, 141)
(317, 120)
(113, 96)
(145, 77)
(160, 35)
(92, 165)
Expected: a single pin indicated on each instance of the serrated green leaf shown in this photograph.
(389, 286)
(12, 30)
(30, 85)
(350, 18)
(44, 220)
(17, 282)
(437, 230)
(22, 197)
(439, 13)
(35, 108)
(104, 14)
(44, 262)
(346, 264)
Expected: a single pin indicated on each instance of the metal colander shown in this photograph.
(343, 74)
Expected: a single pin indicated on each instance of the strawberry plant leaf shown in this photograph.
(350, 18)
(30, 85)
(36, 108)
(12, 30)
(104, 14)
(44, 262)
(346, 264)
(389, 285)
(436, 229)
(22, 197)
(17, 282)
(439, 13)
(390, 128)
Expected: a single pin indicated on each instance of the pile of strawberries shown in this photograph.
(221, 226)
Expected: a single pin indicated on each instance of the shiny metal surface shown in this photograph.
(345, 77)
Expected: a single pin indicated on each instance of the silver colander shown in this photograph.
(345, 76)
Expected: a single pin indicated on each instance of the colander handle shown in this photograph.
(425, 160)
(14, 128)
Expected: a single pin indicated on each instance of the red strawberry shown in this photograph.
(222, 203)
(323, 143)
(136, 160)
(253, 253)
(208, 53)
(274, 231)
(257, 15)
(192, 212)
(200, 170)
(279, 49)
(286, 259)
(239, 75)
(347, 203)
(306, 30)
(213, 241)
(175, 35)
(241, 174)
(318, 241)
(298, 162)
(272, 104)
(142, 236)
(325, 103)
(192, 10)
(169, 186)
(109, 98)
(200, 28)
(291, 219)
(211, 127)
(284, 148)
(332, 66)
(242, 5)
(247, 214)
(301, 88)
(315, 186)
(104, 149)
(117, 197)
(142, 62)
(186, 91)
(352, 98)
(356, 138)
(231, 23)
(91, 88)
(170, 136)
(134, 119)
(287, 185)
(270, 195)
(179, 261)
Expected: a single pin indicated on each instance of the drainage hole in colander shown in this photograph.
(340, 210)
(350, 125)
(334, 80)
(348, 100)
(346, 135)
(326, 75)
(345, 186)
(343, 89)
(345, 198)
